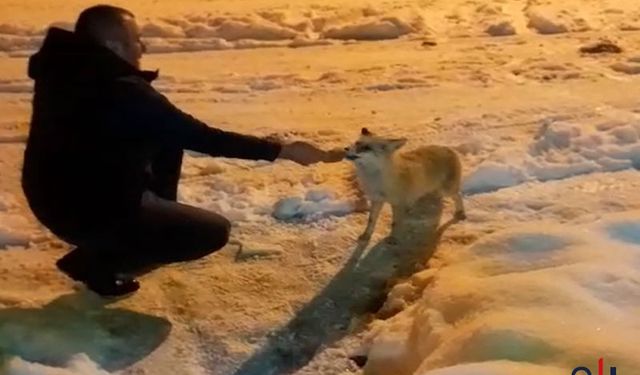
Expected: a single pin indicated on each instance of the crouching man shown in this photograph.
(104, 153)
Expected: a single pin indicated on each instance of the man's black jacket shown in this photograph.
(97, 127)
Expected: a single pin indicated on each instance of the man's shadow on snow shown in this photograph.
(359, 288)
(77, 323)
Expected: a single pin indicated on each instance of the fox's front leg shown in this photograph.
(400, 213)
(374, 214)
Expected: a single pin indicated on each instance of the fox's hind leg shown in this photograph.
(452, 187)
(459, 204)
(453, 191)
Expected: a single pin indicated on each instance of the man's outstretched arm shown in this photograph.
(146, 113)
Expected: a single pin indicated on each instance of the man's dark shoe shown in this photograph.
(112, 286)
(78, 266)
(74, 265)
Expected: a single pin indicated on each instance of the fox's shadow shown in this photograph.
(77, 323)
(360, 287)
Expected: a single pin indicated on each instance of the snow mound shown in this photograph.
(15, 86)
(12, 237)
(21, 30)
(235, 30)
(11, 43)
(630, 68)
(16, 230)
(545, 23)
(389, 28)
(561, 150)
(512, 302)
(503, 28)
(78, 365)
(316, 205)
(281, 28)
(157, 30)
(162, 45)
(496, 368)
(299, 42)
(492, 176)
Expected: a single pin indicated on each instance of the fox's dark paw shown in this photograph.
(460, 216)
(391, 240)
(364, 238)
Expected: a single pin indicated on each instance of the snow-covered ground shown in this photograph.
(542, 278)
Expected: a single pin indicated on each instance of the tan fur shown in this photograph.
(401, 179)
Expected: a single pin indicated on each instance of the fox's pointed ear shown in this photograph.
(396, 143)
(365, 131)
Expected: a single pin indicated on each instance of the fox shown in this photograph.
(402, 178)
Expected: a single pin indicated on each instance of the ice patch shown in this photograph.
(626, 232)
(534, 243)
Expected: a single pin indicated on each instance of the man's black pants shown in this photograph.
(163, 231)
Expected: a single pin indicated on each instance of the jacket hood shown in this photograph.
(66, 56)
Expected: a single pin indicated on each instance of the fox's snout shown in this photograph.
(352, 156)
(350, 153)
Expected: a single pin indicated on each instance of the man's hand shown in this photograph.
(305, 153)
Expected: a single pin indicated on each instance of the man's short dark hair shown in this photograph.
(96, 22)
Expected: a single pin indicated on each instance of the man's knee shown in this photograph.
(212, 238)
(221, 234)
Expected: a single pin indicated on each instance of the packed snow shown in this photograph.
(563, 150)
(79, 365)
(190, 32)
(541, 278)
(537, 297)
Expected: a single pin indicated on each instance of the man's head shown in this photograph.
(114, 28)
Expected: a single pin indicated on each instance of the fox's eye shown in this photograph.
(363, 148)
